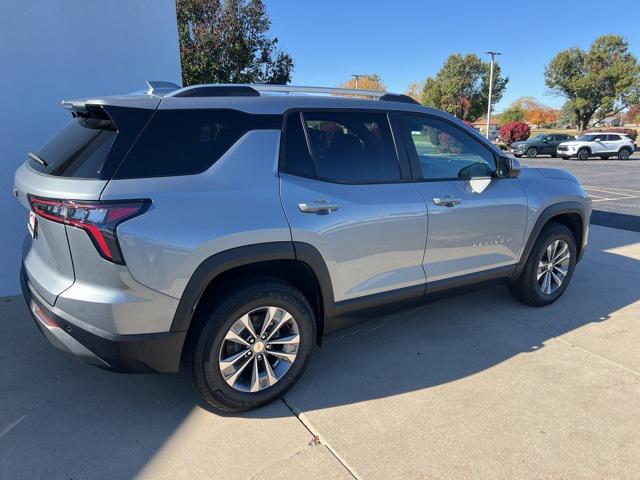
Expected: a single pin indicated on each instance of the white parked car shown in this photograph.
(600, 144)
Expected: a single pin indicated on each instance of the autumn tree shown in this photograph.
(226, 41)
(461, 87)
(540, 115)
(633, 114)
(370, 81)
(414, 90)
(605, 78)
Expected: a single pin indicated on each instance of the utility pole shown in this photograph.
(493, 54)
(357, 76)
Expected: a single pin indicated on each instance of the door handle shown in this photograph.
(447, 201)
(319, 206)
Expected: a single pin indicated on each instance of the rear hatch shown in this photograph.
(74, 165)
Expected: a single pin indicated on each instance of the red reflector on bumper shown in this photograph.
(43, 317)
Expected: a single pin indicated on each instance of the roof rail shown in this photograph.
(252, 90)
(159, 87)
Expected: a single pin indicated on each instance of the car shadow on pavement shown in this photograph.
(59, 417)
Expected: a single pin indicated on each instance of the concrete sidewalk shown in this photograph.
(476, 386)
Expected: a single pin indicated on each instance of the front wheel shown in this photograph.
(583, 154)
(549, 267)
(532, 152)
(253, 345)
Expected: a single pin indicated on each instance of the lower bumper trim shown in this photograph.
(143, 353)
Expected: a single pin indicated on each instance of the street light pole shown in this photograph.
(493, 54)
(357, 77)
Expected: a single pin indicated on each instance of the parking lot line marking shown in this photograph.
(10, 427)
(622, 190)
(608, 190)
(615, 199)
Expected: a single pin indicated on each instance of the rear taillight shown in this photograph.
(98, 219)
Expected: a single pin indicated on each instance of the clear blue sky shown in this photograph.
(408, 40)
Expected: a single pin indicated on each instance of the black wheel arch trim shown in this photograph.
(226, 260)
(544, 217)
(219, 263)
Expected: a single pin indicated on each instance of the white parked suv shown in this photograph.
(600, 144)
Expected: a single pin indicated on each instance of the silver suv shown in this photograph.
(225, 229)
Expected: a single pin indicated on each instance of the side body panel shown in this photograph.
(373, 243)
(484, 231)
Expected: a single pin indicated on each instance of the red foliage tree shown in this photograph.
(514, 132)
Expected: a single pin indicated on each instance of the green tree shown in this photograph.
(514, 113)
(461, 87)
(225, 41)
(605, 78)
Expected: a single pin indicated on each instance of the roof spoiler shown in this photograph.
(160, 87)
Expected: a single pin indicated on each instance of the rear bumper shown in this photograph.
(139, 353)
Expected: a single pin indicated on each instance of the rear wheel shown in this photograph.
(532, 152)
(549, 267)
(624, 153)
(583, 154)
(252, 346)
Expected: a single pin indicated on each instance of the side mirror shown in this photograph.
(508, 167)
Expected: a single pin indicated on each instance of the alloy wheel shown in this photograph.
(553, 267)
(624, 154)
(532, 152)
(259, 348)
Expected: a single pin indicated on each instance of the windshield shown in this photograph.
(586, 138)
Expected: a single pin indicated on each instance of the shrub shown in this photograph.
(514, 132)
(631, 132)
(448, 144)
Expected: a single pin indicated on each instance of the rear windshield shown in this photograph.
(78, 150)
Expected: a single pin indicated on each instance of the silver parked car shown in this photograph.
(225, 229)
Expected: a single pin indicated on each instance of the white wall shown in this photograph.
(56, 49)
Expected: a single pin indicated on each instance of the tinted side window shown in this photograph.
(186, 142)
(613, 138)
(445, 151)
(297, 159)
(352, 146)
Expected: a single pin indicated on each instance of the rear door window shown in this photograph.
(351, 147)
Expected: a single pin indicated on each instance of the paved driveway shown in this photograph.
(613, 184)
(476, 386)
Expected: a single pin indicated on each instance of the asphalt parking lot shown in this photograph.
(613, 184)
(477, 386)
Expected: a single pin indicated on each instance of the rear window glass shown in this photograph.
(187, 142)
(79, 150)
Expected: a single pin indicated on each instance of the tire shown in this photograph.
(532, 152)
(564, 157)
(527, 288)
(554, 155)
(584, 154)
(624, 154)
(604, 157)
(209, 345)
